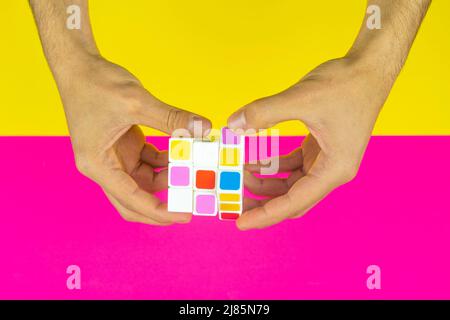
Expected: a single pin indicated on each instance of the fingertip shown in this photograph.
(237, 120)
(241, 224)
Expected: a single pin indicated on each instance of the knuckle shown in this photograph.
(175, 119)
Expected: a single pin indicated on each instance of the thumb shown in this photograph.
(267, 112)
(171, 120)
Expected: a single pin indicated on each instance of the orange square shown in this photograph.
(205, 179)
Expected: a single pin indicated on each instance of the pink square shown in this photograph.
(205, 204)
(229, 137)
(180, 176)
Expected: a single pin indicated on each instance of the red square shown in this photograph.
(205, 179)
(229, 216)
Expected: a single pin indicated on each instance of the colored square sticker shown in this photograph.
(180, 150)
(180, 176)
(205, 204)
(205, 179)
(230, 180)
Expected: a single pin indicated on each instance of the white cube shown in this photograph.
(206, 153)
(180, 200)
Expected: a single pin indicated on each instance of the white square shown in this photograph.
(180, 200)
(206, 153)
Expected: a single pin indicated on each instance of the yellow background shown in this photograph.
(212, 56)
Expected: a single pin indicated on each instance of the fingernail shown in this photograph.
(199, 127)
(237, 120)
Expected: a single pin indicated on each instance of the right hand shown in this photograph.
(104, 104)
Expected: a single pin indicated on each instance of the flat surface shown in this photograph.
(395, 214)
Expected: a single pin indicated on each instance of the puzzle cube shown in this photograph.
(206, 177)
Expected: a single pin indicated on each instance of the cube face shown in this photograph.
(180, 175)
(205, 179)
(180, 149)
(205, 204)
(206, 154)
(179, 200)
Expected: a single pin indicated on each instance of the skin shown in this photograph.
(104, 104)
(339, 102)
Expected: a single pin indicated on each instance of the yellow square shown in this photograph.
(230, 207)
(230, 157)
(180, 150)
(230, 197)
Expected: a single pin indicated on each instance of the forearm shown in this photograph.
(385, 50)
(65, 49)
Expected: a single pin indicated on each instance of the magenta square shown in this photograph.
(205, 204)
(180, 176)
(228, 137)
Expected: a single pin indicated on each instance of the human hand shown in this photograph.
(104, 105)
(339, 103)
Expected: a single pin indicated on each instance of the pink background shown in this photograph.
(395, 214)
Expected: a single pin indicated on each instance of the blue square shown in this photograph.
(230, 180)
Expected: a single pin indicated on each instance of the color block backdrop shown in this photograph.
(212, 57)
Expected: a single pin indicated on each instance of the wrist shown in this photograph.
(379, 57)
(73, 66)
